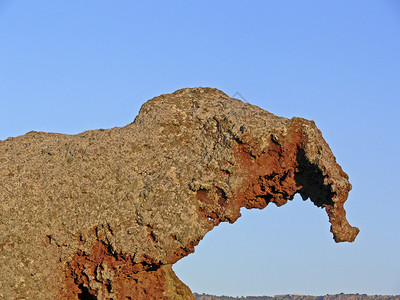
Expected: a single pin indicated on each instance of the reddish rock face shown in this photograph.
(106, 213)
(103, 274)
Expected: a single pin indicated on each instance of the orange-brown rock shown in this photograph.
(104, 214)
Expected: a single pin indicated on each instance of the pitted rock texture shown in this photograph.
(104, 214)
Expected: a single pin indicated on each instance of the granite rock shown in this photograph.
(104, 214)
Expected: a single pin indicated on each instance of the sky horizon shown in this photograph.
(71, 66)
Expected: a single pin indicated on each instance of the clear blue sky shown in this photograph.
(69, 66)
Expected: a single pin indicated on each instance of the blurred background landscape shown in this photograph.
(301, 297)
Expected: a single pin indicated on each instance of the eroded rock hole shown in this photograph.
(222, 198)
(311, 180)
(85, 294)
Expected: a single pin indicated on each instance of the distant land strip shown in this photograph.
(301, 297)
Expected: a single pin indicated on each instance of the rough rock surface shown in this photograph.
(105, 213)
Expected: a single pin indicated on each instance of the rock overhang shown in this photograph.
(107, 212)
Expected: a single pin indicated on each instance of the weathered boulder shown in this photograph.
(104, 214)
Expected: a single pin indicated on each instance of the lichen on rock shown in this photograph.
(104, 214)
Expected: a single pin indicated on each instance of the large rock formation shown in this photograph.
(104, 214)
